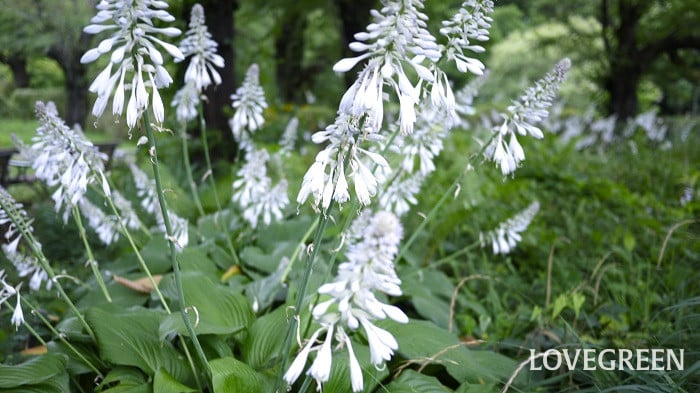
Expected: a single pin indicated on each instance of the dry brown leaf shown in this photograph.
(142, 285)
(38, 350)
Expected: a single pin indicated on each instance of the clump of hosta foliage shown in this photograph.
(292, 283)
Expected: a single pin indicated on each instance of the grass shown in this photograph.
(25, 130)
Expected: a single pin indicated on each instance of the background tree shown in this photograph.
(32, 29)
(636, 34)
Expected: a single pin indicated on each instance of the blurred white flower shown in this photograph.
(506, 236)
(185, 102)
(471, 23)
(350, 301)
(249, 104)
(253, 190)
(145, 189)
(10, 213)
(133, 51)
(289, 136)
(64, 158)
(401, 193)
(530, 109)
(202, 48)
(106, 226)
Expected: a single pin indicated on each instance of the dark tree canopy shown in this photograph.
(636, 34)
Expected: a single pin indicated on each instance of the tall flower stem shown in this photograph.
(61, 338)
(188, 169)
(212, 182)
(139, 257)
(292, 326)
(153, 282)
(91, 258)
(452, 190)
(23, 227)
(171, 244)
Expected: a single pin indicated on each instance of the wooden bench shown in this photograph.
(16, 170)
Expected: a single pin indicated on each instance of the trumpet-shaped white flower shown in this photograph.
(249, 104)
(64, 158)
(350, 300)
(202, 48)
(134, 52)
(530, 109)
(327, 180)
(506, 236)
(6, 292)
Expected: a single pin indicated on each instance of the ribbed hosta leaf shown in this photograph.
(130, 338)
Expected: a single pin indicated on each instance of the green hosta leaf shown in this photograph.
(195, 259)
(165, 383)
(267, 262)
(411, 381)
(45, 373)
(130, 338)
(232, 376)
(124, 380)
(424, 341)
(265, 338)
(220, 309)
(430, 293)
(477, 388)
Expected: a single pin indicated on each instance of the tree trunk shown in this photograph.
(75, 75)
(625, 65)
(354, 16)
(292, 79)
(18, 66)
(220, 21)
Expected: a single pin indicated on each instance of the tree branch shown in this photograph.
(669, 44)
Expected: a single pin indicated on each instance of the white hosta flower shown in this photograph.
(17, 315)
(185, 102)
(471, 23)
(327, 180)
(530, 109)
(249, 104)
(201, 48)
(397, 37)
(134, 52)
(350, 302)
(506, 236)
(64, 158)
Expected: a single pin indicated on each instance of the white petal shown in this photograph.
(347, 64)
